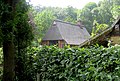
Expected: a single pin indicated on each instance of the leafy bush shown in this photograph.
(25, 65)
(95, 63)
(78, 64)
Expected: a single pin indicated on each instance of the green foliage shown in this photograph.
(45, 16)
(78, 64)
(98, 28)
(104, 13)
(43, 22)
(1, 56)
(15, 29)
(1, 63)
(116, 8)
(87, 16)
(26, 70)
(14, 22)
(90, 5)
(23, 34)
(71, 14)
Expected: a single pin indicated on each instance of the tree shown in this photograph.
(71, 14)
(87, 16)
(105, 15)
(7, 37)
(116, 8)
(43, 21)
(13, 25)
(59, 13)
(98, 28)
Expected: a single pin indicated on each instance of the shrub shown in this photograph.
(78, 64)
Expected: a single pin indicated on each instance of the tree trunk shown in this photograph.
(9, 65)
(8, 45)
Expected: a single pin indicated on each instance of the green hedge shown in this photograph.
(78, 64)
(73, 64)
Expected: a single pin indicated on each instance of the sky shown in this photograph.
(62, 3)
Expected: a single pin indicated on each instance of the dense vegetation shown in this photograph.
(94, 63)
(72, 64)
(104, 13)
(15, 35)
(25, 61)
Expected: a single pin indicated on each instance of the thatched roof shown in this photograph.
(94, 40)
(71, 33)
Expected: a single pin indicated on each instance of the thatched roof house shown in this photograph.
(62, 33)
(111, 34)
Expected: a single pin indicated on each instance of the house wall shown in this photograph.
(45, 42)
(61, 43)
(115, 40)
(115, 37)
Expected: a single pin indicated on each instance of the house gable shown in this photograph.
(107, 35)
(72, 34)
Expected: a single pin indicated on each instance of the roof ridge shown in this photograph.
(105, 31)
(57, 20)
(115, 22)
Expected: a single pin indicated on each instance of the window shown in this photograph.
(53, 42)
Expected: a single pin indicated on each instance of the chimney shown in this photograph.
(79, 23)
